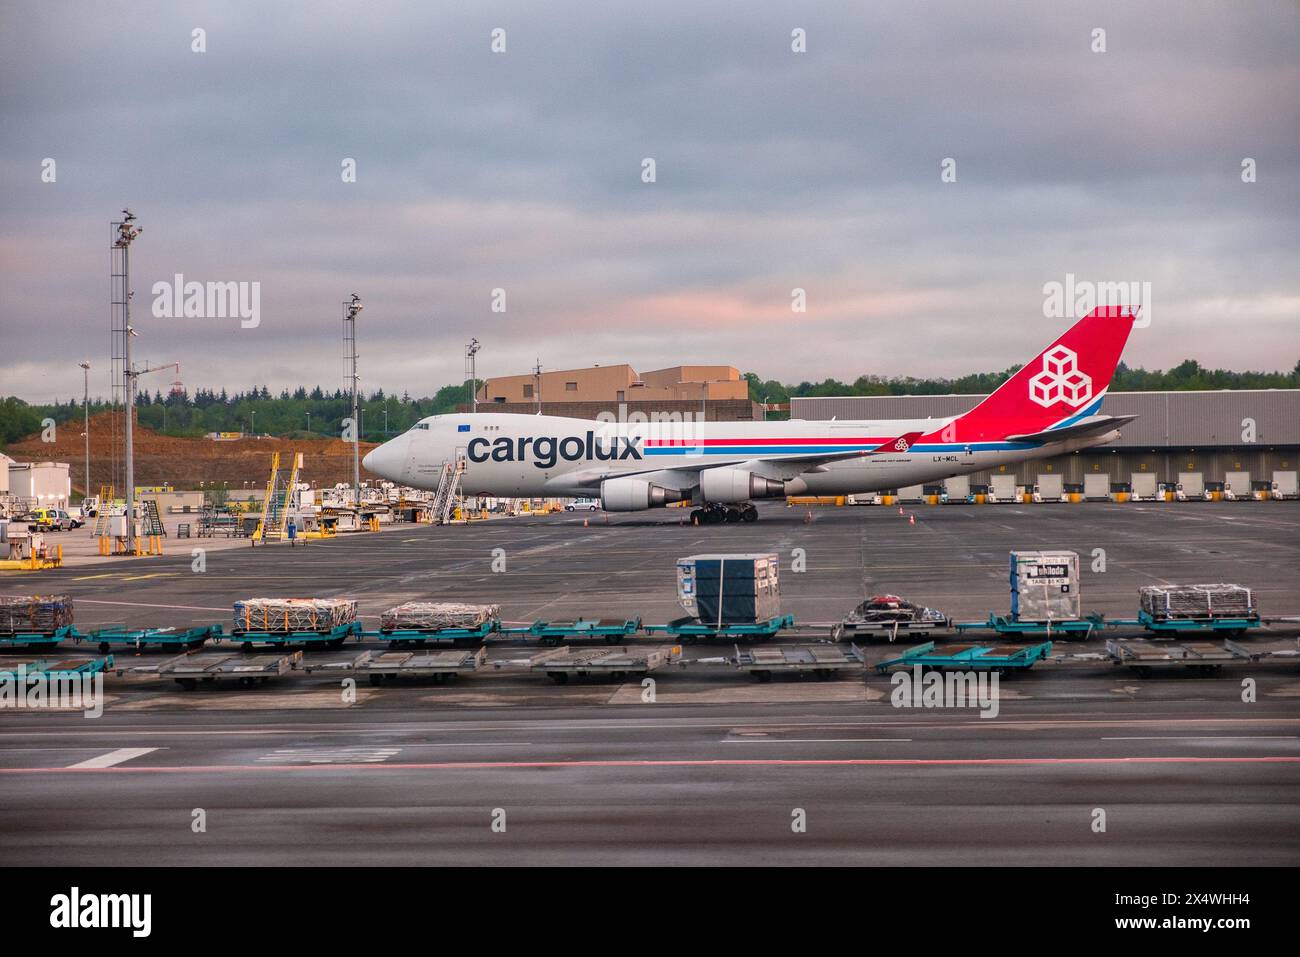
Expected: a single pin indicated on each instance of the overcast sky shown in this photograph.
(522, 170)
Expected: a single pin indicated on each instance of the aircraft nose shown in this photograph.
(389, 460)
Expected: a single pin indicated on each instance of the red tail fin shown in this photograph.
(1065, 381)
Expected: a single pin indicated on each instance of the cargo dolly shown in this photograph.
(692, 629)
(192, 667)
(53, 669)
(553, 632)
(1000, 658)
(332, 638)
(1237, 625)
(846, 629)
(438, 665)
(824, 661)
(1202, 656)
(35, 639)
(616, 663)
(407, 637)
(139, 638)
(1081, 628)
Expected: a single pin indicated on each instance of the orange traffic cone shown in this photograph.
(584, 523)
(900, 510)
(911, 519)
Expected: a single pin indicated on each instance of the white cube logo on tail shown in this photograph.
(1060, 380)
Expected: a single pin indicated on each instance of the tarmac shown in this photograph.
(504, 767)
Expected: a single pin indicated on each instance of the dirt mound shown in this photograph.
(184, 463)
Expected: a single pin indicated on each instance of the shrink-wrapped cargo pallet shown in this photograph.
(294, 614)
(1045, 586)
(433, 615)
(43, 614)
(730, 589)
(1197, 601)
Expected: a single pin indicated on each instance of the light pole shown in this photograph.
(309, 423)
(252, 422)
(385, 420)
(85, 405)
(127, 231)
(351, 310)
(471, 351)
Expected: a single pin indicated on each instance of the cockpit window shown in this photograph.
(420, 425)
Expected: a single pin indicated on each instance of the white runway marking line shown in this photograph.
(113, 758)
(349, 755)
(1209, 737)
(758, 740)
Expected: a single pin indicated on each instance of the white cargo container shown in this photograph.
(1003, 487)
(912, 493)
(1051, 487)
(957, 487)
(1045, 586)
(1096, 486)
(1236, 485)
(1285, 485)
(1144, 485)
(1193, 484)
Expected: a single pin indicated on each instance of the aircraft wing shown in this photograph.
(1092, 425)
(785, 466)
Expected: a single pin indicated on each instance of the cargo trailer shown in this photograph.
(1285, 485)
(1144, 486)
(1192, 484)
(1002, 488)
(1096, 486)
(1236, 486)
(1049, 487)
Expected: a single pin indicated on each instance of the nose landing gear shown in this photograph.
(716, 514)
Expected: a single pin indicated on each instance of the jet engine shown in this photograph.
(633, 495)
(737, 485)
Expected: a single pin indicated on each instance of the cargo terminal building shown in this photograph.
(1242, 440)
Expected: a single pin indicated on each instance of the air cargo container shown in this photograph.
(730, 589)
(1050, 487)
(1002, 488)
(1236, 486)
(1285, 485)
(957, 487)
(1096, 486)
(1192, 484)
(1144, 486)
(1045, 586)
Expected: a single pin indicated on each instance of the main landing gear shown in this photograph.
(716, 514)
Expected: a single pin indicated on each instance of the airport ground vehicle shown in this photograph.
(583, 505)
(50, 520)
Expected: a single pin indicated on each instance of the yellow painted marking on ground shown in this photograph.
(136, 578)
(86, 578)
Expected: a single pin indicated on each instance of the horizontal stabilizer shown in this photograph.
(1092, 425)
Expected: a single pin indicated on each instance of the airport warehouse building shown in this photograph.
(1202, 440)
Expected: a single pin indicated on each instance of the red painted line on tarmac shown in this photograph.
(720, 762)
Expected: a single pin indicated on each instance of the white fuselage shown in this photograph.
(528, 456)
